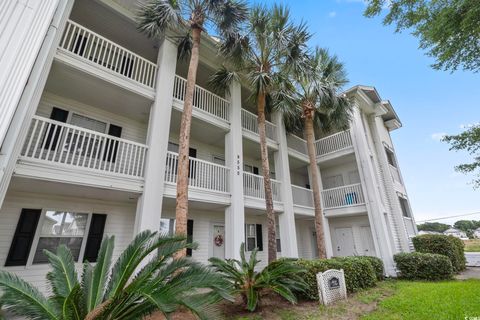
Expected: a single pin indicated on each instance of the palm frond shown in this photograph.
(63, 276)
(156, 16)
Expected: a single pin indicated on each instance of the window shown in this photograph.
(167, 226)
(88, 123)
(219, 160)
(250, 169)
(333, 182)
(405, 207)
(57, 228)
(277, 235)
(253, 237)
(391, 157)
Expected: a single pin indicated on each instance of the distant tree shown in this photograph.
(470, 234)
(469, 140)
(464, 225)
(433, 226)
(449, 30)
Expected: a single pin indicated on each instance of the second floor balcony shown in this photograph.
(250, 126)
(343, 197)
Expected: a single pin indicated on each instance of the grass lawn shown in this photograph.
(472, 245)
(421, 300)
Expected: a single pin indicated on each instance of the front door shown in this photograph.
(218, 241)
(367, 241)
(345, 244)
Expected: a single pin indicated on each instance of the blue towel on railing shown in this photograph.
(351, 198)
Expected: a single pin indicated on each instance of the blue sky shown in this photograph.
(429, 103)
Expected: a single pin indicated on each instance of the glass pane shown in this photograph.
(250, 244)
(250, 230)
(51, 244)
(88, 123)
(167, 226)
(52, 224)
(64, 223)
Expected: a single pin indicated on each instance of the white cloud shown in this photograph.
(438, 136)
(332, 14)
(469, 125)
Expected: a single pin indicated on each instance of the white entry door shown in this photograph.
(345, 243)
(218, 241)
(367, 241)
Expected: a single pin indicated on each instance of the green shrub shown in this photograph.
(423, 266)
(359, 273)
(449, 246)
(377, 265)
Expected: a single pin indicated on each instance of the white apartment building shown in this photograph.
(89, 122)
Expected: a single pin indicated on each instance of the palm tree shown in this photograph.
(261, 58)
(194, 16)
(314, 97)
(120, 292)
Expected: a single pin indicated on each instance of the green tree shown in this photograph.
(449, 30)
(196, 17)
(314, 101)
(468, 140)
(465, 225)
(433, 226)
(283, 277)
(118, 292)
(261, 57)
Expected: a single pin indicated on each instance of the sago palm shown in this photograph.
(194, 17)
(144, 279)
(283, 277)
(314, 96)
(260, 58)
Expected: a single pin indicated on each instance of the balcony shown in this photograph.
(93, 49)
(343, 197)
(297, 146)
(205, 103)
(250, 126)
(334, 144)
(302, 197)
(253, 187)
(68, 149)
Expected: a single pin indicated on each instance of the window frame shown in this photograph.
(38, 235)
(247, 236)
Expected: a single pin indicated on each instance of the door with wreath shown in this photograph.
(219, 241)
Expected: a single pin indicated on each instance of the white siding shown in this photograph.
(305, 241)
(120, 222)
(204, 151)
(348, 171)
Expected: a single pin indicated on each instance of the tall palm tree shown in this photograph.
(317, 103)
(195, 17)
(261, 57)
(119, 292)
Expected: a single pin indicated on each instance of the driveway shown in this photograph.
(473, 259)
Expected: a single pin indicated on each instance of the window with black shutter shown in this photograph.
(112, 145)
(23, 237)
(53, 132)
(253, 237)
(95, 237)
(259, 237)
(189, 236)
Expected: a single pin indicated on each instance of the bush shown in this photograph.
(423, 266)
(377, 265)
(448, 246)
(359, 273)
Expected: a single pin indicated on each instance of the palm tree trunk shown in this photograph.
(181, 209)
(310, 136)
(272, 239)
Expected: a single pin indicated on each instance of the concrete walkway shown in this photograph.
(469, 273)
(473, 259)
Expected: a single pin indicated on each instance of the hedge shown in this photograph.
(359, 273)
(448, 246)
(377, 265)
(423, 266)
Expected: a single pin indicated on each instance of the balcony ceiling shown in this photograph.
(76, 85)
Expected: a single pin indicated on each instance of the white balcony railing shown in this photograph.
(59, 143)
(343, 196)
(395, 174)
(298, 144)
(202, 174)
(335, 142)
(202, 99)
(302, 196)
(250, 123)
(93, 47)
(253, 187)
(409, 225)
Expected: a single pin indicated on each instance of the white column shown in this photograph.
(235, 213)
(376, 212)
(326, 223)
(286, 219)
(149, 205)
(43, 22)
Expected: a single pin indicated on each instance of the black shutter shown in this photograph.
(189, 236)
(127, 67)
(193, 154)
(23, 238)
(259, 237)
(112, 145)
(95, 237)
(54, 130)
(255, 170)
(80, 43)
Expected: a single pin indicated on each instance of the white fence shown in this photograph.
(302, 196)
(202, 174)
(250, 123)
(343, 196)
(253, 187)
(202, 99)
(335, 142)
(50, 141)
(297, 144)
(93, 47)
(395, 174)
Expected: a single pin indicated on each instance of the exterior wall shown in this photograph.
(355, 223)
(204, 151)
(120, 222)
(305, 241)
(344, 170)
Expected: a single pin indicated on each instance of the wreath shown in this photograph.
(218, 240)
